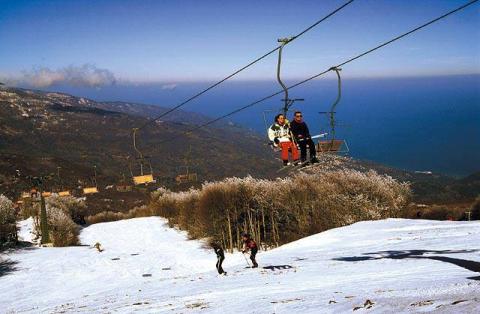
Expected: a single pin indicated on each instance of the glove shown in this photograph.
(276, 140)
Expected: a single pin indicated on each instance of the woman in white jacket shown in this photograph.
(279, 135)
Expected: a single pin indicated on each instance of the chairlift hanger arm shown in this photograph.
(339, 84)
(134, 137)
(287, 102)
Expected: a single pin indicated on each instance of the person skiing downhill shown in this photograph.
(279, 134)
(302, 136)
(220, 258)
(250, 245)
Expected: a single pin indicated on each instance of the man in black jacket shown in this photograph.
(302, 136)
(220, 257)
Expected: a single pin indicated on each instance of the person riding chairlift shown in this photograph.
(303, 138)
(280, 135)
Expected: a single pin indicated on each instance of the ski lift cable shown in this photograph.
(330, 69)
(244, 67)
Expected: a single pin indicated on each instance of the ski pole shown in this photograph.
(246, 260)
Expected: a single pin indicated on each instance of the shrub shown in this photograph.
(74, 207)
(281, 210)
(8, 226)
(275, 211)
(62, 230)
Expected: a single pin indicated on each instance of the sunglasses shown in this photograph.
(298, 116)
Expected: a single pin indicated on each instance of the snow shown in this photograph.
(399, 265)
(26, 230)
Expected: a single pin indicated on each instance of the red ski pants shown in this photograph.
(286, 146)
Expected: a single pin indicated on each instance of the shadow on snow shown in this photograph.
(6, 267)
(419, 254)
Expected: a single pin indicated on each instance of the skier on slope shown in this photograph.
(279, 134)
(302, 136)
(250, 245)
(220, 257)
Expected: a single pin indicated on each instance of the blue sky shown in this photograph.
(175, 41)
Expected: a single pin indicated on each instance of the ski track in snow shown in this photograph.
(398, 265)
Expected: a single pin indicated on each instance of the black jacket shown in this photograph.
(299, 130)
(219, 252)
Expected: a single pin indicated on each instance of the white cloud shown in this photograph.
(169, 86)
(85, 75)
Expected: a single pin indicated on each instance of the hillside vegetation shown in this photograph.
(276, 211)
(40, 131)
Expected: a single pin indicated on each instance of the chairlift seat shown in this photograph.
(124, 188)
(148, 178)
(333, 146)
(64, 193)
(186, 178)
(47, 194)
(90, 190)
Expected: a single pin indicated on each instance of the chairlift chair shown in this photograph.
(123, 186)
(187, 176)
(92, 189)
(143, 162)
(62, 192)
(287, 102)
(332, 144)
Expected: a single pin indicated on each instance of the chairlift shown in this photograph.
(62, 192)
(143, 177)
(187, 176)
(287, 102)
(123, 186)
(332, 144)
(92, 189)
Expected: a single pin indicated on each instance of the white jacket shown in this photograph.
(282, 132)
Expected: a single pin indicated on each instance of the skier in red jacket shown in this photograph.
(250, 245)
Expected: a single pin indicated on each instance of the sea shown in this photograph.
(413, 123)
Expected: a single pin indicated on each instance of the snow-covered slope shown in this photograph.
(397, 265)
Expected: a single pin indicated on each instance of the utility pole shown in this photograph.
(469, 215)
(38, 182)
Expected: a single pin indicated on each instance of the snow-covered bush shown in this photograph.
(62, 230)
(8, 228)
(282, 210)
(106, 216)
(72, 206)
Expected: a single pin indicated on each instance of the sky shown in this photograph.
(133, 42)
